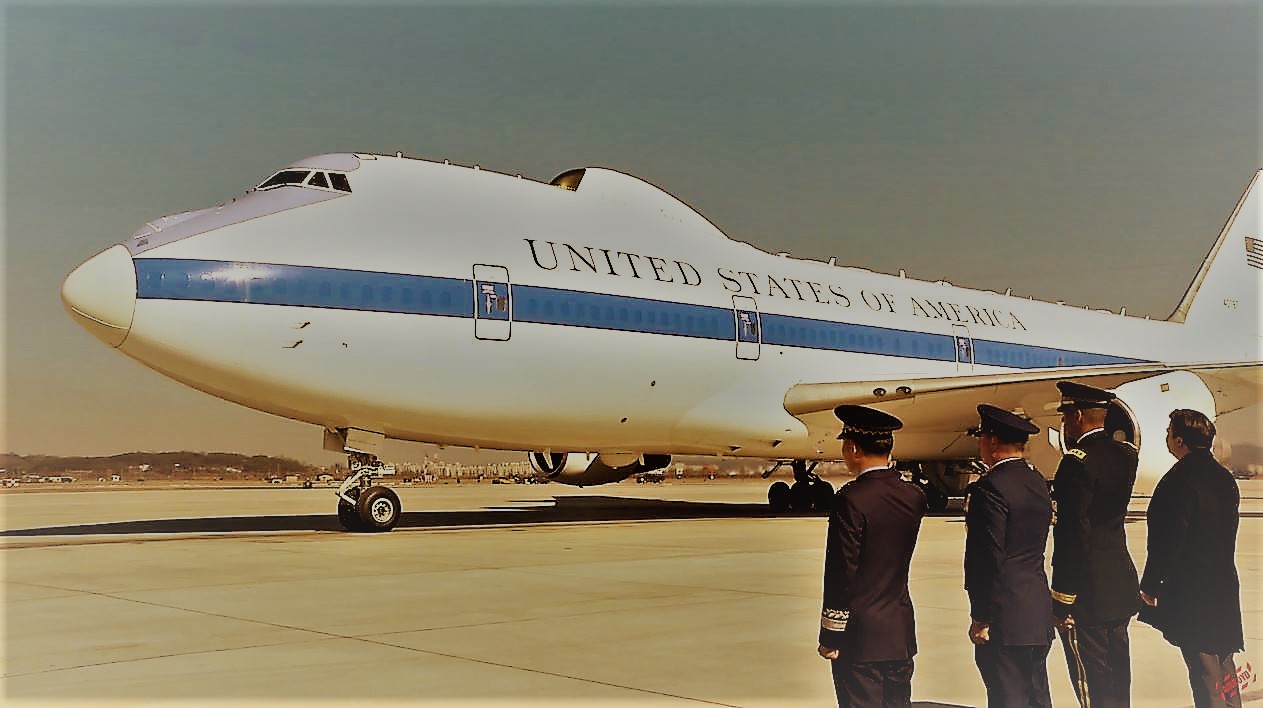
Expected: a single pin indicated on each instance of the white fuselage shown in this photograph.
(620, 332)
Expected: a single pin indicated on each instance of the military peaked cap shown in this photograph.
(1006, 425)
(862, 421)
(1077, 396)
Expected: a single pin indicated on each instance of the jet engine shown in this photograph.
(588, 469)
(1140, 416)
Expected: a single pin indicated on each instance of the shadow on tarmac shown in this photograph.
(569, 509)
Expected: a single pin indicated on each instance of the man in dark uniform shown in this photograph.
(867, 628)
(1007, 513)
(1094, 585)
(1190, 584)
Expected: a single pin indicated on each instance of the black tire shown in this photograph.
(349, 517)
(378, 509)
(800, 496)
(778, 497)
(821, 495)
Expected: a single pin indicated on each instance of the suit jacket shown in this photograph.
(1191, 568)
(1094, 578)
(873, 528)
(1007, 514)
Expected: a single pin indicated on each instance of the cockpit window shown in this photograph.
(299, 178)
(285, 177)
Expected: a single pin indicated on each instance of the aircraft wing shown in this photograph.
(934, 406)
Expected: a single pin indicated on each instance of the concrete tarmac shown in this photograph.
(684, 593)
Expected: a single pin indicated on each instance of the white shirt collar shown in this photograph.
(1007, 459)
(1090, 432)
(872, 469)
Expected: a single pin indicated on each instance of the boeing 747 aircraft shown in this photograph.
(604, 325)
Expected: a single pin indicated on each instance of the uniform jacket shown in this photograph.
(1191, 567)
(1007, 516)
(873, 528)
(1094, 578)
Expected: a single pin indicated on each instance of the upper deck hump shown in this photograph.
(622, 188)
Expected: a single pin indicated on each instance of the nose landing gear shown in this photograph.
(363, 506)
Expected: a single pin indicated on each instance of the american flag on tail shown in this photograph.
(1254, 252)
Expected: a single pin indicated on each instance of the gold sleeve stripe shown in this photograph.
(1063, 598)
(1077, 453)
(834, 620)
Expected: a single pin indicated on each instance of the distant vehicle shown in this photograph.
(653, 477)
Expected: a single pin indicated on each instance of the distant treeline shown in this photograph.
(159, 464)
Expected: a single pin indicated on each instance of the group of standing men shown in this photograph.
(1189, 590)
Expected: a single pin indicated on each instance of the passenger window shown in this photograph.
(340, 182)
(318, 179)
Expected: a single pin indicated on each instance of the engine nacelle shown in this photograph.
(1140, 416)
(588, 469)
(1149, 403)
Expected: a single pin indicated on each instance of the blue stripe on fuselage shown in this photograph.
(335, 288)
(302, 286)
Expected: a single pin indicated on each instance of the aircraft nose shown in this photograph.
(101, 294)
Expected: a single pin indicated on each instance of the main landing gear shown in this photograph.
(808, 493)
(363, 506)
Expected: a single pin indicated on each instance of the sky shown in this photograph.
(1068, 151)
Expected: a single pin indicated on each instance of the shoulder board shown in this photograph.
(1076, 452)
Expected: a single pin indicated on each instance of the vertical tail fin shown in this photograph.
(1225, 301)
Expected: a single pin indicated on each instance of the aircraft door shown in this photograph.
(964, 345)
(749, 332)
(493, 307)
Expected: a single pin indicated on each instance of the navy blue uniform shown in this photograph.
(867, 613)
(1007, 516)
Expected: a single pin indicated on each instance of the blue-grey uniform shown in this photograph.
(1007, 515)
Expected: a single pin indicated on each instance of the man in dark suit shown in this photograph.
(1007, 513)
(1190, 585)
(867, 628)
(1094, 585)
